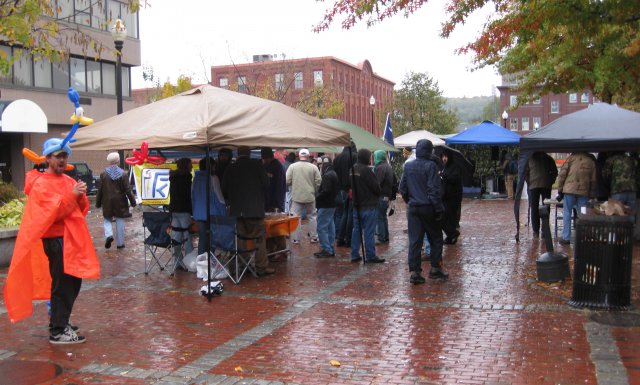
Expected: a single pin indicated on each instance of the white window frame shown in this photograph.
(537, 100)
(242, 84)
(223, 83)
(317, 78)
(555, 107)
(513, 124)
(525, 124)
(537, 119)
(513, 100)
(298, 82)
(573, 97)
(279, 82)
(584, 98)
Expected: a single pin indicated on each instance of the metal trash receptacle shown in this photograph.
(602, 268)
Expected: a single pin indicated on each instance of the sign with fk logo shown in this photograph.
(152, 183)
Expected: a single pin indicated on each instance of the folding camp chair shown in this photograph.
(233, 252)
(157, 241)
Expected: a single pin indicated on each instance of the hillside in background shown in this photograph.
(473, 110)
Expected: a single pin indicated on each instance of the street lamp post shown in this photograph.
(505, 116)
(536, 125)
(372, 102)
(119, 33)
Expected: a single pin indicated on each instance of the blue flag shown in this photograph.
(388, 134)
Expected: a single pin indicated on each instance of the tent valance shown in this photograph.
(485, 133)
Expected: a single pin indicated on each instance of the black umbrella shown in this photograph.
(466, 168)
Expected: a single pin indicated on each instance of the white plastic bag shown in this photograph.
(201, 265)
(189, 261)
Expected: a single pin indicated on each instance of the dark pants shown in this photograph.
(535, 202)
(64, 287)
(421, 220)
(346, 222)
(451, 220)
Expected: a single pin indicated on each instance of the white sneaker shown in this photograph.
(315, 240)
(67, 337)
(295, 242)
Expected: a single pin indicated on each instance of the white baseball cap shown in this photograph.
(304, 152)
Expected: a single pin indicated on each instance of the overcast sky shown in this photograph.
(189, 36)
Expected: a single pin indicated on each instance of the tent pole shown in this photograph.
(208, 220)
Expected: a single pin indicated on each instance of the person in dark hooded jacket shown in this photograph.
(326, 205)
(344, 211)
(420, 187)
(366, 193)
(452, 197)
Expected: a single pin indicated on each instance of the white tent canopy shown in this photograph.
(411, 138)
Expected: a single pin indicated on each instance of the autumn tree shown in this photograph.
(183, 84)
(549, 45)
(321, 102)
(419, 105)
(35, 26)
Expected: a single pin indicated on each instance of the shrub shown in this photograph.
(11, 213)
(8, 192)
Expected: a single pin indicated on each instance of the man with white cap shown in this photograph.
(304, 179)
(113, 196)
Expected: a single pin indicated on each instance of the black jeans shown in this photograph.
(534, 202)
(346, 222)
(421, 220)
(451, 220)
(64, 287)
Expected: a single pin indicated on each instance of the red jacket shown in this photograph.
(52, 210)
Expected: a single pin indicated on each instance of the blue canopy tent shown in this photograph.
(486, 133)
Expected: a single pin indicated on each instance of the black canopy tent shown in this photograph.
(599, 127)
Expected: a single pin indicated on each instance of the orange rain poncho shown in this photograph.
(52, 210)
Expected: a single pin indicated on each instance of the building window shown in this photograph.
(22, 68)
(78, 80)
(83, 12)
(584, 98)
(298, 83)
(94, 83)
(525, 124)
(224, 83)
(513, 124)
(573, 98)
(513, 100)
(279, 80)
(61, 75)
(126, 84)
(555, 107)
(317, 78)
(242, 84)
(536, 122)
(108, 79)
(42, 73)
(536, 100)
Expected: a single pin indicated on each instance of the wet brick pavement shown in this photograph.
(490, 323)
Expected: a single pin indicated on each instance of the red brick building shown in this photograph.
(354, 84)
(540, 112)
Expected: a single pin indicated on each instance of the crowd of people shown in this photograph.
(346, 201)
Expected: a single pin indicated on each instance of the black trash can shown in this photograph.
(602, 269)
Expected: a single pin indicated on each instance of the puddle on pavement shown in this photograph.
(27, 372)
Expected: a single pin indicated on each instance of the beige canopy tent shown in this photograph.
(211, 116)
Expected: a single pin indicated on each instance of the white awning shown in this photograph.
(22, 116)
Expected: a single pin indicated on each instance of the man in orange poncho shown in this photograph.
(54, 250)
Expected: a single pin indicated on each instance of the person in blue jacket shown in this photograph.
(199, 199)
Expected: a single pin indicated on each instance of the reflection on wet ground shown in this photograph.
(328, 321)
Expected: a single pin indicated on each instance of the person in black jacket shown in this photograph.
(452, 197)
(366, 193)
(344, 213)
(326, 205)
(244, 187)
(180, 207)
(420, 187)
